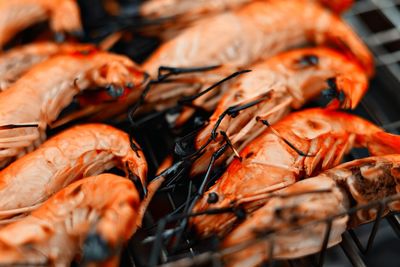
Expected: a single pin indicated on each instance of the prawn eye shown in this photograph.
(212, 198)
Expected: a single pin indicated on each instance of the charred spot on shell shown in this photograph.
(382, 186)
(333, 92)
(315, 125)
(248, 155)
(85, 52)
(212, 198)
(95, 248)
(278, 212)
(76, 191)
(307, 61)
(47, 229)
(115, 91)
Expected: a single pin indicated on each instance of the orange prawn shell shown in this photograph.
(284, 82)
(326, 135)
(17, 15)
(17, 61)
(50, 86)
(113, 203)
(77, 152)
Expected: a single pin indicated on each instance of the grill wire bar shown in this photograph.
(382, 35)
(378, 24)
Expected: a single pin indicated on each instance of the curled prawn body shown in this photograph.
(253, 32)
(299, 146)
(38, 97)
(92, 217)
(315, 199)
(17, 61)
(17, 15)
(257, 30)
(291, 79)
(77, 152)
(185, 11)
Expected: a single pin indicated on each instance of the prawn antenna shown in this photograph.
(163, 234)
(164, 72)
(182, 144)
(189, 99)
(200, 192)
(18, 125)
(229, 143)
(298, 151)
(233, 111)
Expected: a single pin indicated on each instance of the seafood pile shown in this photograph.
(230, 80)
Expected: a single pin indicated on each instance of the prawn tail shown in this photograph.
(382, 143)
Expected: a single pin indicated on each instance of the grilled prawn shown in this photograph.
(17, 15)
(184, 12)
(38, 97)
(15, 62)
(92, 218)
(78, 152)
(253, 32)
(299, 146)
(291, 79)
(315, 199)
(257, 30)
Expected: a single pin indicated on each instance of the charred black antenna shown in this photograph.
(18, 125)
(164, 73)
(169, 71)
(161, 233)
(298, 151)
(189, 99)
(229, 142)
(180, 150)
(216, 155)
(200, 192)
(173, 173)
(233, 111)
(182, 142)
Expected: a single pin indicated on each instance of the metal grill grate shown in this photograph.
(378, 24)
